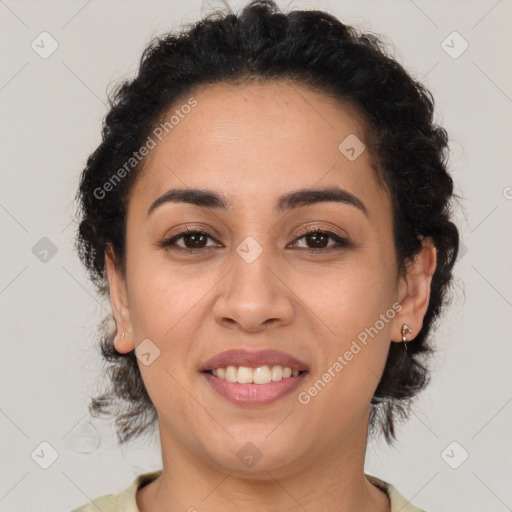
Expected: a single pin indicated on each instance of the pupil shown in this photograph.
(314, 237)
(194, 237)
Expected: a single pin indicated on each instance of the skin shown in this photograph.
(253, 143)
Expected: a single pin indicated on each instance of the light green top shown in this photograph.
(125, 501)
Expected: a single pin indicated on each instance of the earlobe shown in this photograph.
(414, 291)
(123, 342)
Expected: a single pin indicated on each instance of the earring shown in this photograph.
(116, 338)
(405, 330)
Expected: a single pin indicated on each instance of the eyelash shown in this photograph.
(342, 243)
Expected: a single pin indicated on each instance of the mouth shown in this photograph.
(254, 378)
(259, 375)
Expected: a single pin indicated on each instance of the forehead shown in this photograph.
(258, 141)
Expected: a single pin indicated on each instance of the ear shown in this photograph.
(119, 302)
(414, 291)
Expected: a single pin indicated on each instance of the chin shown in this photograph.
(255, 455)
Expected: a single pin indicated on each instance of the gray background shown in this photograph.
(51, 111)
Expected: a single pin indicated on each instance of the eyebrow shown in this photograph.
(295, 199)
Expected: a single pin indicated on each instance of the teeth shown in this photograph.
(231, 373)
(244, 375)
(277, 372)
(260, 375)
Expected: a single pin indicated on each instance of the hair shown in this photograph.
(313, 49)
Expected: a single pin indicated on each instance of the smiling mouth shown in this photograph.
(259, 386)
(260, 375)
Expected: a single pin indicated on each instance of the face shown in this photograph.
(249, 278)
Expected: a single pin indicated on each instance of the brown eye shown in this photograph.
(195, 240)
(317, 240)
(192, 240)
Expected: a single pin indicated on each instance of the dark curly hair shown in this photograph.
(310, 48)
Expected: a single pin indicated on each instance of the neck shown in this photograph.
(330, 480)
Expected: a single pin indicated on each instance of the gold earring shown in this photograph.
(405, 329)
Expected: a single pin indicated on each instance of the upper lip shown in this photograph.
(253, 359)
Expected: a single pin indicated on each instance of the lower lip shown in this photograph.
(254, 394)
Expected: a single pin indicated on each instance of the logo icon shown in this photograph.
(44, 250)
(454, 455)
(146, 352)
(454, 45)
(249, 249)
(249, 455)
(44, 45)
(352, 147)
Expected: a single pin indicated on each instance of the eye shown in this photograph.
(318, 240)
(196, 241)
(193, 240)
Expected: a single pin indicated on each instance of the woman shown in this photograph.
(269, 213)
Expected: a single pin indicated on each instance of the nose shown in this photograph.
(254, 295)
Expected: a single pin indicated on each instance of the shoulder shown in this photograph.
(398, 502)
(123, 501)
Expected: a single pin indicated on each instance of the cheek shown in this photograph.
(167, 300)
(160, 300)
(156, 292)
(351, 296)
(355, 305)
